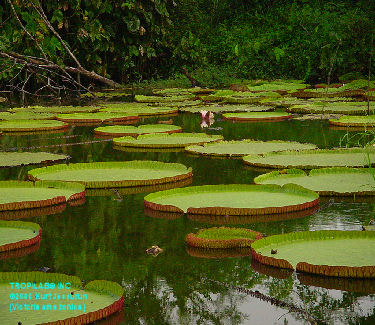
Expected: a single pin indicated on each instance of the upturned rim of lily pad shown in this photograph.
(294, 172)
(137, 143)
(328, 269)
(330, 108)
(199, 149)
(135, 131)
(103, 287)
(21, 243)
(311, 199)
(257, 159)
(181, 172)
(247, 238)
(98, 117)
(48, 158)
(257, 116)
(354, 121)
(138, 189)
(24, 126)
(224, 220)
(78, 192)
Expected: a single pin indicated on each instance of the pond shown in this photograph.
(106, 236)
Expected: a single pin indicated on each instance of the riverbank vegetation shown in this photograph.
(70, 44)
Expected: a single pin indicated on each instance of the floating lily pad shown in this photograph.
(17, 195)
(7, 116)
(176, 140)
(266, 116)
(126, 130)
(185, 103)
(96, 117)
(308, 159)
(118, 192)
(275, 272)
(236, 199)
(11, 159)
(162, 99)
(368, 121)
(18, 234)
(348, 108)
(222, 237)
(114, 174)
(226, 108)
(96, 300)
(325, 252)
(326, 181)
(249, 219)
(32, 125)
(138, 109)
(245, 147)
(56, 109)
(35, 212)
(278, 85)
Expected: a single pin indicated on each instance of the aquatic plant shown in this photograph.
(324, 252)
(245, 147)
(12, 159)
(127, 130)
(336, 181)
(16, 195)
(98, 117)
(222, 237)
(103, 298)
(309, 159)
(234, 199)
(18, 234)
(256, 116)
(174, 140)
(114, 174)
(32, 125)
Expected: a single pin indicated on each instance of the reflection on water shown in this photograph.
(106, 238)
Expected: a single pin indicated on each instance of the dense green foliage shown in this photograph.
(220, 41)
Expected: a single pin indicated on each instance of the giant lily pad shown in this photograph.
(114, 174)
(138, 109)
(127, 130)
(17, 195)
(348, 108)
(32, 125)
(11, 159)
(70, 302)
(236, 199)
(368, 121)
(222, 237)
(56, 109)
(325, 252)
(226, 108)
(18, 234)
(246, 147)
(308, 159)
(26, 116)
(264, 116)
(326, 181)
(161, 99)
(176, 140)
(96, 117)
